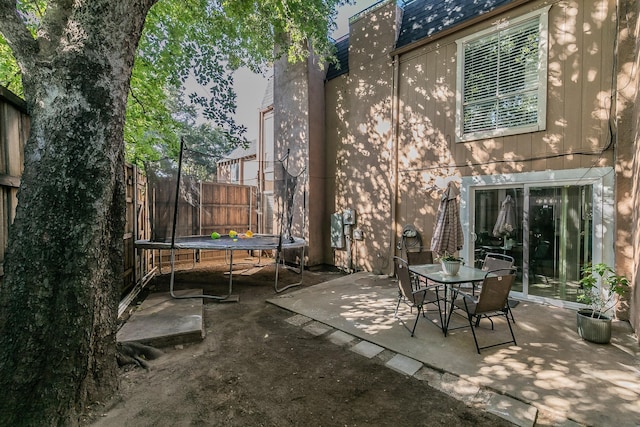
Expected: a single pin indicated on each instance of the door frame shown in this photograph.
(603, 222)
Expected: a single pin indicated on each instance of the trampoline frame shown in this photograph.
(225, 243)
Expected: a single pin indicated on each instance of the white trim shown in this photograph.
(504, 24)
(602, 180)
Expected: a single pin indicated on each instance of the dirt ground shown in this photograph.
(255, 369)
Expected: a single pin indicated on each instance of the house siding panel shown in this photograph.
(428, 155)
(359, 134)
(582, 86)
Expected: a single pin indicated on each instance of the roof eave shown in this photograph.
(430, 39)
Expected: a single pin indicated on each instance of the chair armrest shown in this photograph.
(464, 295)
(420, 291)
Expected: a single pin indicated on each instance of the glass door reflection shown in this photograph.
(559, 239)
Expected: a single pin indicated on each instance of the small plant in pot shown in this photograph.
(594, 324)
(450, 263)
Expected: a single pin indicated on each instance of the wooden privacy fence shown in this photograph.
(221, 207)
(14, 131)
(136, 227)
(212, 206)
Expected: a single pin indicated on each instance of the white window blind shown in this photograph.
(502, 76)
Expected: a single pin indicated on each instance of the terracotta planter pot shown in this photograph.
(596, 328)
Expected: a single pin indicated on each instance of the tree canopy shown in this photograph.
(64, 260)
(197, 42)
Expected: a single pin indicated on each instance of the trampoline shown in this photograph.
(177, 219)
(226, 243)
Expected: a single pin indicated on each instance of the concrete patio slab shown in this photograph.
(162, 320)
(513, 410)
(551, 371)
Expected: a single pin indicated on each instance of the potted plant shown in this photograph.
(593, 323)
(450, 264)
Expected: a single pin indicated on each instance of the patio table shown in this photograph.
(434, 273)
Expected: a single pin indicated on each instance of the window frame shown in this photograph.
(542, 76)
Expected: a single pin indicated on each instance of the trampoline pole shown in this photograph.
(282, 219)
(175, 219)
(173, 240)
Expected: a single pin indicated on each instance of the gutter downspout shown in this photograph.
(395, 107)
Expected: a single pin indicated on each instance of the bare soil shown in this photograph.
(255, 369)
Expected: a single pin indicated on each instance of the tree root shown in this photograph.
(135, 353)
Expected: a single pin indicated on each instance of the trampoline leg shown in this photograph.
(230, 273)
(221, 298)
(277, 268)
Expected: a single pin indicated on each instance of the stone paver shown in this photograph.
(341, 338)
(298, 320)
(404, 364)
(367, 349)
(317, 328)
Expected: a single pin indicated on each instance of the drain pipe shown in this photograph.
(395, 106)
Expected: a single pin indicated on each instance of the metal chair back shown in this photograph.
(494, 294)
(422, 257)
(495, 261)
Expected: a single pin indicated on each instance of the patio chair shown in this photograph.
(422, 257)
(417, 298)
(500, 264)
(494, 261)
(491, 302)
(417, 258)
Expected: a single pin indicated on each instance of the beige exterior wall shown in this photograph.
(391, 131)
(361, 144)
(629, 162)
(299, 131)
(579, 88)
(359, 135)
(585, 95)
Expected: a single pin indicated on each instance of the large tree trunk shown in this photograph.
(63, 268)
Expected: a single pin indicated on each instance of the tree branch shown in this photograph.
(133, 95)
(23, 45)
(53, 24)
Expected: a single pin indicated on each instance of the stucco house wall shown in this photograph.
(358, 143)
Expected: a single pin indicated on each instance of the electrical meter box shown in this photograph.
(348, 217)
(337, 237)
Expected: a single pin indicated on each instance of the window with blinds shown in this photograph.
(502, 75)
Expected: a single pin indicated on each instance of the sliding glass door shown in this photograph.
(549, 233)
(560, 239)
